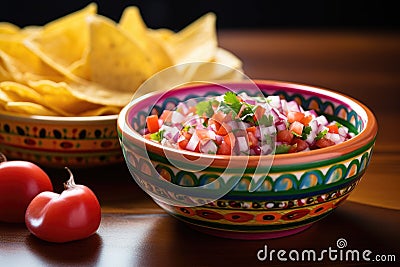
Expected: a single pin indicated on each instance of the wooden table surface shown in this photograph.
(135, 232)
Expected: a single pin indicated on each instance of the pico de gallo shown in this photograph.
(237, 124)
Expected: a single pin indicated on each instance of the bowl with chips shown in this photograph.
(60, 141)
(63, 84)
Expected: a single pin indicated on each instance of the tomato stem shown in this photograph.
(71, 182)
(2, 158)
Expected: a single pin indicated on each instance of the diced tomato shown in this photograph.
(293, 149)
(300, 144)
(192, 110)
(218, 140)
(224, 129)
(306, 120)
(258, 113)
(182, 144)
(253, 141)
(252, 129)
(230, 139)
(203, 134)
(197, 149)
(295, 116)
(333, 128)
(224, 149)
(284, 136)
(323, 142)
(219, 117)
(296, 127)
(166, 115)
(214, 122)
(186, 135)
(152, 123)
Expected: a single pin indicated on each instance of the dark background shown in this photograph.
(364, 15)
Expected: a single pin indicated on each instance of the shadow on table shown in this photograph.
(361, 227)
(81, 252)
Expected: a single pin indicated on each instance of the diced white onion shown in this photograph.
(193, 142)
(322, 120)
(333, 137)
(243, 146)
(177, 117)
(274, 101)
(209, 147)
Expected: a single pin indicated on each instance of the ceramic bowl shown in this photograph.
(298, 190)
(60, 141)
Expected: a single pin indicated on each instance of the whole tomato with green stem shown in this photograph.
(20, 182)
(72, 215)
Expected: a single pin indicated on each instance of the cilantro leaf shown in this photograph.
(296, 134)
(338, 124)
(157, 136)
(321, 134)
(224, 108)
(231, 101)
(266, 121)
(247, 113)
(204, 108)
(230, 98)
(306, 131)
(281, 149)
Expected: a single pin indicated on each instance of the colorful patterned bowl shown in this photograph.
(298, 190)
(60, 141)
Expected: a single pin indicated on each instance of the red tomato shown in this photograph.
(152, 123)
(224, 129)
(183, 143)
(333, 128)
(253, 141)
(323, 142)
(299, 144)
(259, 112)
(224, 149)
(306, 120)
(296, 127)
(295, 116)
(203, 133)
(216, 124)
(252, 129)
(72, 215)
(230, 139)
(20, 182)
(284, 136)
(166, 116)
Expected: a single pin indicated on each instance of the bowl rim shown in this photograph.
(363, 138)
(76, 120)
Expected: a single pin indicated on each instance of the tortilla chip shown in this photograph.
(84, 64)
(8, 28)
(4, 75)
(28, 108)
(116, 62)
(106, 110)
(162, 34)
(19, 60)
(196, 42)
(133, 25)
(64, 41)
(5, 98)
(58, 97)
